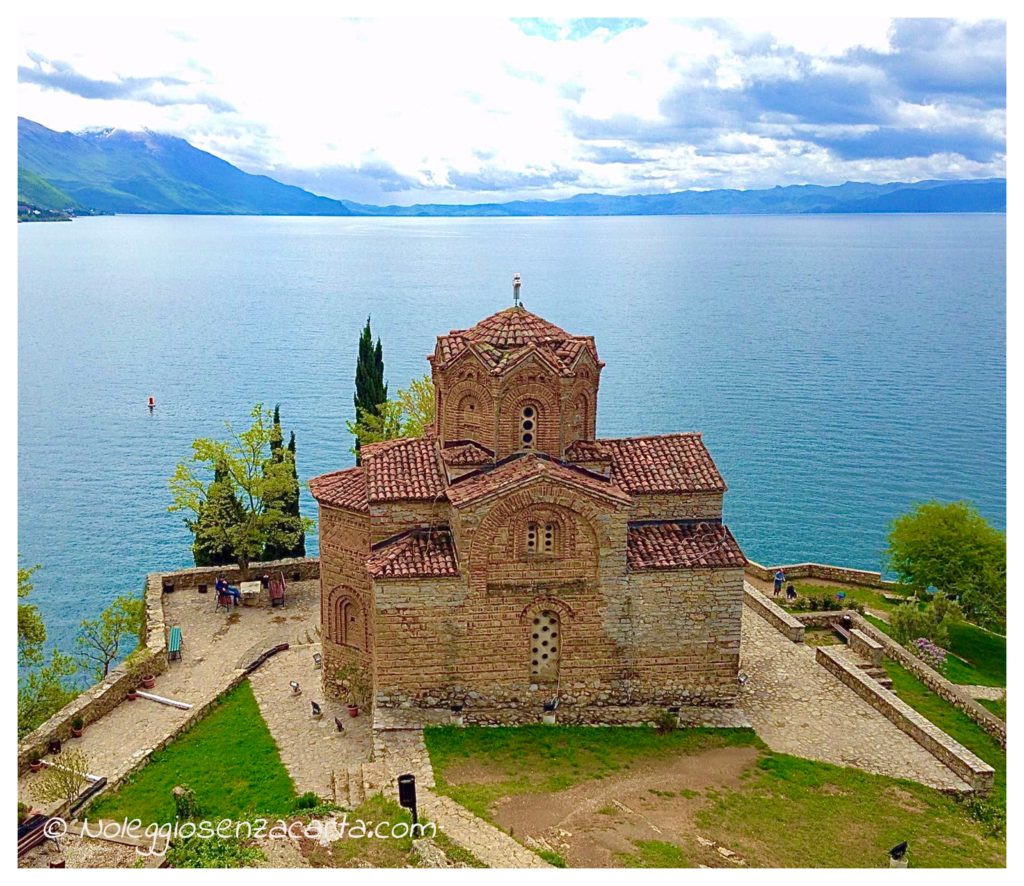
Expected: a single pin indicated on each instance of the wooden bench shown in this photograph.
(174, 644)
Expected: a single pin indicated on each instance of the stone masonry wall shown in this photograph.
(694, 506)
(346, 605)
(776, 616)
(822, 572)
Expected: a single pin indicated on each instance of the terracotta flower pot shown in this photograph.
(36, 766)
(57, 863)
(131, 696)
(353, 710)
(77, 733)
(148, 681)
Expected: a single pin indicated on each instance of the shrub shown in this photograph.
(932, 655)
(186, 804)
(308, 800)
(78, 723)
(666, 721)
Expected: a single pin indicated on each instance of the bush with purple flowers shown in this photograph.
(931, 654)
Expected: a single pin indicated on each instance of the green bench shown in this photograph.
(174, 644)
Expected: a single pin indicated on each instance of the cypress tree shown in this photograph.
(293, 505)
(371, 390)
(221, 508)
(276, 437)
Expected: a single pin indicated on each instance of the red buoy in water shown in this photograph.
(152, 402)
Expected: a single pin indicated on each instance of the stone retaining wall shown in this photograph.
(102, 697)
(973, 770)
(776, 616)
(866, 647)
(294, 569)
(935, 681)
(931, 678)
(822, 572)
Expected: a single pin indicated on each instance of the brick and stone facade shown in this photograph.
(510, 558)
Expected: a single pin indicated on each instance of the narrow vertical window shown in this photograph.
(549, 538)
(528, 427)
(531, 538)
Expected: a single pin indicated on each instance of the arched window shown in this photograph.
(528, 427)
(545, 641)
(348, 623)
(580, 418)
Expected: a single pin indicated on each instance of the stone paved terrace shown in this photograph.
(215, 645)
(312, 750)
(799, 708)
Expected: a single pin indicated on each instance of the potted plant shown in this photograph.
(148, 681)
(54, 745)
(353, 708)
(35, 762)
(77, 727)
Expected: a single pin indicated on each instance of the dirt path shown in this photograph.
(593, 823)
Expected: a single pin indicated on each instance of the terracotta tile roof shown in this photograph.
(466, 453)
(418, 553)
(503, 338)
(666, 463)
(587, 450)
(402, 470)
(520, 468)
(341, 489)
(680, 545)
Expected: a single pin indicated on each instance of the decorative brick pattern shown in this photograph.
(469, 535)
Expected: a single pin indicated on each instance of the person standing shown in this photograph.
(780, 580)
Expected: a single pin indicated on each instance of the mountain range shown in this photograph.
(113, 170)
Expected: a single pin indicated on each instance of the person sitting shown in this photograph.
(790, 592)
(223, 587)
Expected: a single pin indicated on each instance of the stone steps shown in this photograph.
(877, 673)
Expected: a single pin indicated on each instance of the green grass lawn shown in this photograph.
(870, 597)
(228, 758)
(541, 759)
(788, 812)
(951, 721)
(802, 813)
(996, 707)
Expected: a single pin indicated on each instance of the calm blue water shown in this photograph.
(840, 367)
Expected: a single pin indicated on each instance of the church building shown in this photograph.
(510, 558)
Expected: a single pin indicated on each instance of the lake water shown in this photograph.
(840, 367)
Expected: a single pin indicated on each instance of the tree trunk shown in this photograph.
(243, 568)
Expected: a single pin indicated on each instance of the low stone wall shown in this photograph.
(934, 680)
(972, 769)
(822, 572)
(294, 569)
(101, 698)
(866, 647)
(774, 615)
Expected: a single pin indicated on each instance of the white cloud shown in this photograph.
(485, 108)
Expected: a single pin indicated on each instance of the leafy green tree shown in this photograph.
(911, 621)
(410, 414)
(31, 629)
(64, 781)
(45, 690)
(101, 641)
(371, 389)
(952, 548)
(258, 482)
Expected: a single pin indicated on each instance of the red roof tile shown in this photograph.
(520, 468)
(419, 553)
(587, 450)
(466, 453)
(341, 489)
(666, 463)
(503, 338)
(402, 470)
(682, 546)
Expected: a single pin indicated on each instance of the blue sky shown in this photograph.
(404, 111)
